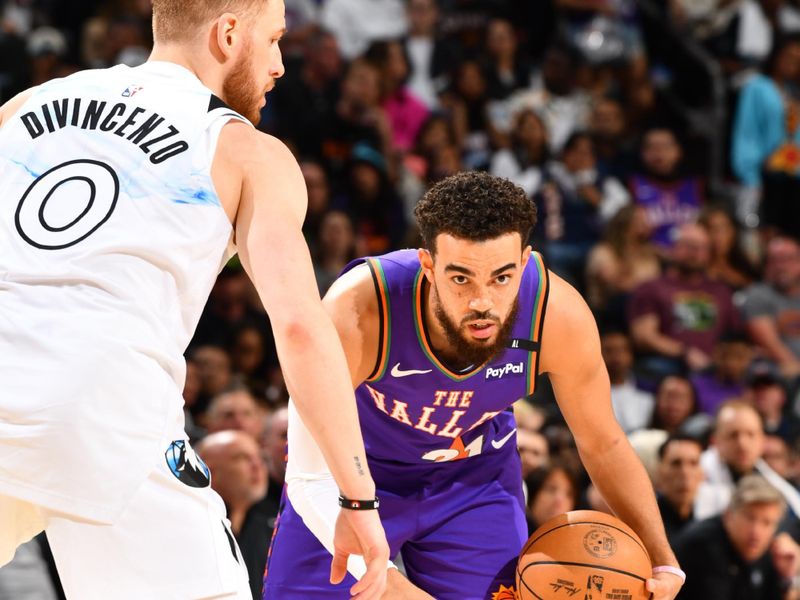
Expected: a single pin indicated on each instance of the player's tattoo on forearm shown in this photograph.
(359, 468)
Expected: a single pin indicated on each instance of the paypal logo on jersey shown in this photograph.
(507, 369)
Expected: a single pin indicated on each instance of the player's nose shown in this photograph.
(480, 303)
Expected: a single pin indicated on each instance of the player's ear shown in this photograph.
(526, 255)
(426, 261)
(227, 33)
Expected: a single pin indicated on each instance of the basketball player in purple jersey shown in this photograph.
(440, 342)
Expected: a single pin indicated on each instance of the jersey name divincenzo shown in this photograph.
(149, 132)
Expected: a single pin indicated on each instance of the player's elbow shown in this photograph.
(293, 329)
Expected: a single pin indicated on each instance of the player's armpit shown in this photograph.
(352, 304)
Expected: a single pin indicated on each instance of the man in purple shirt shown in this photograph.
(677, 318)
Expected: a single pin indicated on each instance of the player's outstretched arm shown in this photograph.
(273, 251)
(571, 356)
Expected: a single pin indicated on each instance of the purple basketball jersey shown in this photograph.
(413, 409)
(668, 207)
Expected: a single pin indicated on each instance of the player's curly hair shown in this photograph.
(474, 206)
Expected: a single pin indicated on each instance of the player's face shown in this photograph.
(259, 63)
(474, 287)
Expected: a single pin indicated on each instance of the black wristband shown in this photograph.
(359, 504)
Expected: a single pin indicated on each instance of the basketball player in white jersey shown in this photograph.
(122, 193)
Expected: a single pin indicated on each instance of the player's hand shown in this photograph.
(664, 586)
(360, 532)
(400, 588)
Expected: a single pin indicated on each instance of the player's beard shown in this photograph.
(464, 352)
(238, 88)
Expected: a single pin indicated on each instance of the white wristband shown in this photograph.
(673, 570)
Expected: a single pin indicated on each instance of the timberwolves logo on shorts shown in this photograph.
(186, 465)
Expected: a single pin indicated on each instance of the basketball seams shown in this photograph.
(534, 540)
(577, 564)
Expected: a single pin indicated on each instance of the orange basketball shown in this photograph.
(583, 554)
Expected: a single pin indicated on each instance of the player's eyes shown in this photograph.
(503, 279)
(459, 280)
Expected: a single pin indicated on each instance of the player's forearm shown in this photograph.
(316, 374)
(623, 482)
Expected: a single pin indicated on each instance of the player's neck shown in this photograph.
(192, 60)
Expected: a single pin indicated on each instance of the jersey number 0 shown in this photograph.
(66, 204)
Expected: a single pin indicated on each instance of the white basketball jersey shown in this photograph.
(111, 237)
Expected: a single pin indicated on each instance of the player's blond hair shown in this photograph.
(181, 20)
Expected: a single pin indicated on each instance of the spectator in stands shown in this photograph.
(429, 54)
(573, 203)
(632, 406)
(523, 161)
(227, 307)
(358, 23)
(372, 202)
(609, 127)
(214, 373)
(528, 416)
(552, 490)
(766, 392)
(620, 263)
(336, 248)
(777, 455)
(357, 118)
(555, 96)
(678, 317)
(764, 121)
(248, 353)
(445, 161)
(273, 450)
(772, 308)
(725, 379)
(507, 71)
(670, 198)
(728, 557)
(678, 479)
(239, 476)
(406, 113)
(465, 102)
(737, 446)
(729, 262)
(436, 133)
(235, 409)
(319, 199)
(308, 94)
(533, 450)
(675, 403)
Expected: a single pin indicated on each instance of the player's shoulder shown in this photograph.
(353, 290)
(243, 141)
(567, 311)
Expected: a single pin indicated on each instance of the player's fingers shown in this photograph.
(655, 587)
(338, 566)
(372, 584)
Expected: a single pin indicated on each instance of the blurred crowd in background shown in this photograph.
(660, 140)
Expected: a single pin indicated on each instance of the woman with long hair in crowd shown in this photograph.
(729, 262)
(622, 261)
(552, 490)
